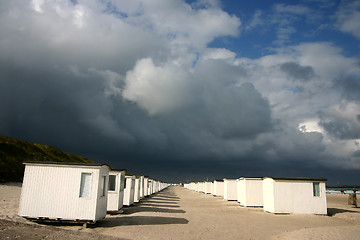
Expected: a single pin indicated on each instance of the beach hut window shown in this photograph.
(112, 182)
(103, 186)
(85, 185)
(124, 183)
(316, 189)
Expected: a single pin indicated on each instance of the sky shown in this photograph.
(187, 90)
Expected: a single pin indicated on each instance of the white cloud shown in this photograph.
(113, 84)
(292, 9)
(78, 14)
(310, 125)
(327, 60)
(158, 89)
(255, 21)
(182, 24)
(219, 53)
(36, 4)
(348, 18)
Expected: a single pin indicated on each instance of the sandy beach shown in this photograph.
(178, 213)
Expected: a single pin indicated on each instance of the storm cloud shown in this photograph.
(135, 85)
(297, 72)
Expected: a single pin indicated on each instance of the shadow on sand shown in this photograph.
(332, 211)
(140, 208)
(164, 199)
(167, 196)
(158, 202)
(159, 205)
(140, 220)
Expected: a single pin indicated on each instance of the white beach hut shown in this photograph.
(200, 187)
(218, 188)
(146, 186)
(116, 190)
(142, 186)
(155, 186)
(193, 186)
(153, 182)
(250, 192)
(230, 189)
(137, 189)
(150, 189)
(64, 191)
(207, 187)
(212, 188)
(129, 189)
(294, 195)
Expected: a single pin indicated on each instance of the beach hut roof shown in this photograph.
(67, 164)
(251, 178)
(118, 170)
(298, 179)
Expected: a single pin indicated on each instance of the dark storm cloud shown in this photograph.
(340, 128)
(342, 121)
(349, 87)
(144, 92)
(229, 110)
(243, 113)
(298, 72)
(356, 154)
(50, 104)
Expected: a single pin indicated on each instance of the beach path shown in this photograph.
(179, 213)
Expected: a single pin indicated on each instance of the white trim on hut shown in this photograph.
(116, 190)
(129, 190)
(64, 191)
(294, 195)
(230, 189)
(250, 192)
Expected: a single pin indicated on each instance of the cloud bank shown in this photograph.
(135, 84)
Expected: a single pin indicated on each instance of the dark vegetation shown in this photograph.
(14, 152)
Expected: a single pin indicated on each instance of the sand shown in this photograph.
(178, 213)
